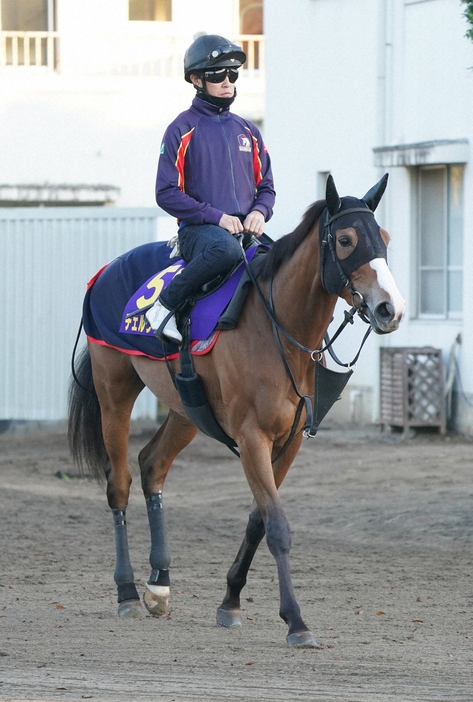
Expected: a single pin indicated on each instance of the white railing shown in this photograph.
(29, 49)
(154, 56)
(125, 55)
(253, 46)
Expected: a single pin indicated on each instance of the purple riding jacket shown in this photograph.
(213, 162)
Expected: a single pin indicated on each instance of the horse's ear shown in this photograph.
(374, 195)
(332, 197)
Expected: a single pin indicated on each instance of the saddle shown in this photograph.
(187, 382)
(119, 294)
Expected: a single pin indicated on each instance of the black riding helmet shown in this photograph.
(210, 51)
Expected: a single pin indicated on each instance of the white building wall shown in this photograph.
(345, 77)
(92, 132)
(433, 100)
(320, 103)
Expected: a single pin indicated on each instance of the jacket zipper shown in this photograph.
(237, 211)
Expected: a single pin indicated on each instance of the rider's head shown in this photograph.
(211, 64)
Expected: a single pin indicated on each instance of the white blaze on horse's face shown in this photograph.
(386, 307)
(382, 303)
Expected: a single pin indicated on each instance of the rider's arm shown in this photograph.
(170, 182)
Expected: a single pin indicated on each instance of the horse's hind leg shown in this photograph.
(228, 614)
(117, 386)
(155, 460)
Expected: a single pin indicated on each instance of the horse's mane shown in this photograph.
(283, 248)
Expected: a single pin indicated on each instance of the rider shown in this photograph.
(214, 175)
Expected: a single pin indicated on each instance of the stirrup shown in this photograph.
(163, 323)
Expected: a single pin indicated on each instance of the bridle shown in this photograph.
(327, 243)
(359, 304)
(334, 281)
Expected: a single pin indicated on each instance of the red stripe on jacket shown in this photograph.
(181, 156)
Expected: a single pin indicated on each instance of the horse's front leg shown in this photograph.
(278, 538)
(264, 482)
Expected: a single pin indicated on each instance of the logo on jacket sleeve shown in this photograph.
(244, 143)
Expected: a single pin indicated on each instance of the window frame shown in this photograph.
(447, 268)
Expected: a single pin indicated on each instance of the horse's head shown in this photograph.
(354, 257)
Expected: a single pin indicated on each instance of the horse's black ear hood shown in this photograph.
(374, 195)
(332, 197)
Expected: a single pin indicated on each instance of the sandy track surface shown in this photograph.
(382, 564)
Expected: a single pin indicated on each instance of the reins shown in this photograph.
(305, 401)
(348, 314)
(314, 353)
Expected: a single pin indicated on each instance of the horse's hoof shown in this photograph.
(228, 617)
(131, 609)
(156, 599)
(302, 639)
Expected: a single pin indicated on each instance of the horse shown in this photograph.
(254, 378)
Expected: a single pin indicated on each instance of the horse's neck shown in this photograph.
(302, 305)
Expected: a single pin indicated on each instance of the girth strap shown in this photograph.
(194, 398)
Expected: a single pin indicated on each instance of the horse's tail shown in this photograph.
(85, 424)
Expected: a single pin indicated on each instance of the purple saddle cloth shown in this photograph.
(120, 293)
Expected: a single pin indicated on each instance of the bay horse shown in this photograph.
(253, 383)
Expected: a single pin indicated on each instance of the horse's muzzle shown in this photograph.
(383, 303)
(385, 318)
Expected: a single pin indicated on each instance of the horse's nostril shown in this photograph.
(385, 311)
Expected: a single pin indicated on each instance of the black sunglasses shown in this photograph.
(218, 75)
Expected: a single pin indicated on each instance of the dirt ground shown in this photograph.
(381, 559)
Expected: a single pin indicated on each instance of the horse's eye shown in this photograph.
(345, 241)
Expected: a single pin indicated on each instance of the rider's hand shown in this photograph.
(254, 223)
(231, 224)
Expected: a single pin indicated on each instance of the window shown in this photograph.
(150, 10)
(251, 17)
(25, 15)
(440, 242)
(27, 33)
(251, 27)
